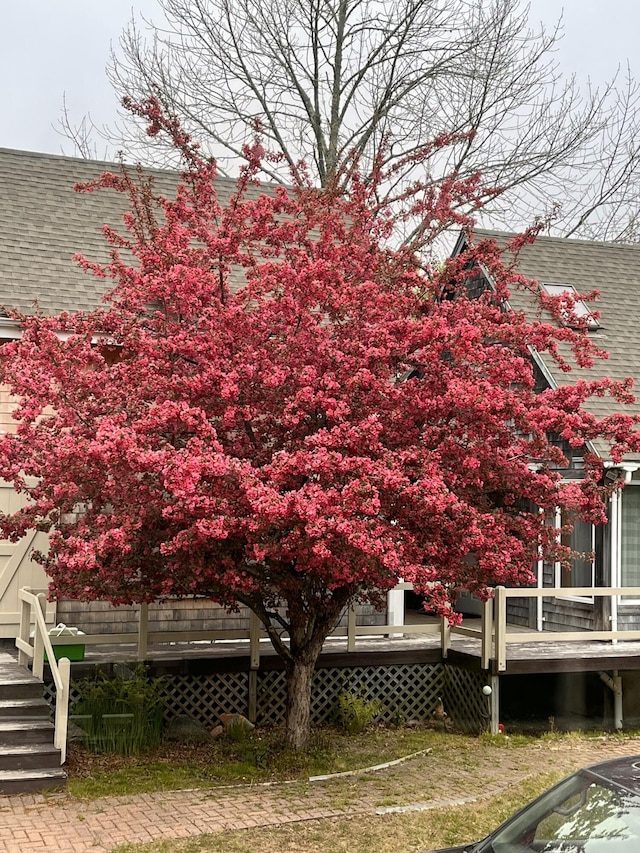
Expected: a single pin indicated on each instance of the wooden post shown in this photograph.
(487, 632)
(38, 641)
(143, 630)
(252, 704)
(351, 629)
(254, 655)
(254, 641)
(618, 716)
(62, 708)
(25, 629)
(445, 636)
(501, 627)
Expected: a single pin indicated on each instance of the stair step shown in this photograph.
(37, 756)
(24, 687)
(28, 759)
(15, 732)
(21, 708)
(27, 781)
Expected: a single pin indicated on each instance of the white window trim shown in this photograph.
(623, 601)
(584, 599)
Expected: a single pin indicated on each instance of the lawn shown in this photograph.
(391, 833)
(260, 757)
(494, 775)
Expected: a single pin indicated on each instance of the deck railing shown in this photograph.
(143, 637)
(491, 635)
(501, 638)
(32, 612)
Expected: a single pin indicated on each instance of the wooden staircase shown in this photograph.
(28, 759)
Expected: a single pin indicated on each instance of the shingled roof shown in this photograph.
(45, 223)
(614, 270)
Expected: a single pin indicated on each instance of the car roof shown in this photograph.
(624, 771)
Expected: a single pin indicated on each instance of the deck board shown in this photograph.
(522, 658)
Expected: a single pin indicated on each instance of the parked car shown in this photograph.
(596, 810)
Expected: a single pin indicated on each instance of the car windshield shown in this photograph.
(583, 814)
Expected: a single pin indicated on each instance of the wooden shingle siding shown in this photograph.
(562, 614)
(100, 617)
(628, 617)
(519, 612)
(7, 406)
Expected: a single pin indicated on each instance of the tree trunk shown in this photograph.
(299, 678)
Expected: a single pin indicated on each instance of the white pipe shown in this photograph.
(395, 609)
(618, 720)
(495, 705)
(616, 579)
(540, 569)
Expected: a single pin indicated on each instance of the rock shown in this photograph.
(184, 729)
(74, 733)
(236, 720)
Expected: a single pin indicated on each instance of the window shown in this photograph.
(582, 541)
(580, 308)
(630, 537)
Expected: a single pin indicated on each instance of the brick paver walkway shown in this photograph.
(60, 824)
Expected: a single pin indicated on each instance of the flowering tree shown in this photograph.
(301, 443)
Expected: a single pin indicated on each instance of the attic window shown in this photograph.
(580, 308)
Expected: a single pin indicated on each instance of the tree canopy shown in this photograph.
(348, 417)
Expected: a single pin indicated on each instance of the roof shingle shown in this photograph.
(614, 270)
(45, 223)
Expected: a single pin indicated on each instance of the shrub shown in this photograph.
(356, 711)
(123, 714)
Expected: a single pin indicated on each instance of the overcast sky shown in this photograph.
(51, 47)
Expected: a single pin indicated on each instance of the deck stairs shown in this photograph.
(28, 759)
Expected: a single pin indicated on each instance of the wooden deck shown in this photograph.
(522, 658)
(544, 657)
(486, 643)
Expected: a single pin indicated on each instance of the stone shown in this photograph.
(184, 729)
(75, 734)
(233, 720)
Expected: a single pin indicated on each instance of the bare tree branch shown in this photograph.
(327, 78)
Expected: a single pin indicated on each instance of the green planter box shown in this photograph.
(73, 652)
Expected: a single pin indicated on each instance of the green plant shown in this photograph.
(397, 718)
(356, 711)
(238, 731)
(121, 714)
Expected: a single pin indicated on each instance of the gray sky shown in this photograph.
(51, 47)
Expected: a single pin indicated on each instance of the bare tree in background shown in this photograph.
(326, 78)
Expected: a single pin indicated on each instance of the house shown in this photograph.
(45, 223)
(559, 264)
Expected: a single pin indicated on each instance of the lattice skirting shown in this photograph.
(408, 692)
(468, 708)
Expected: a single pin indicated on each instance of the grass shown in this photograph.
(261, 757)
(456, 766)
(408, 832)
